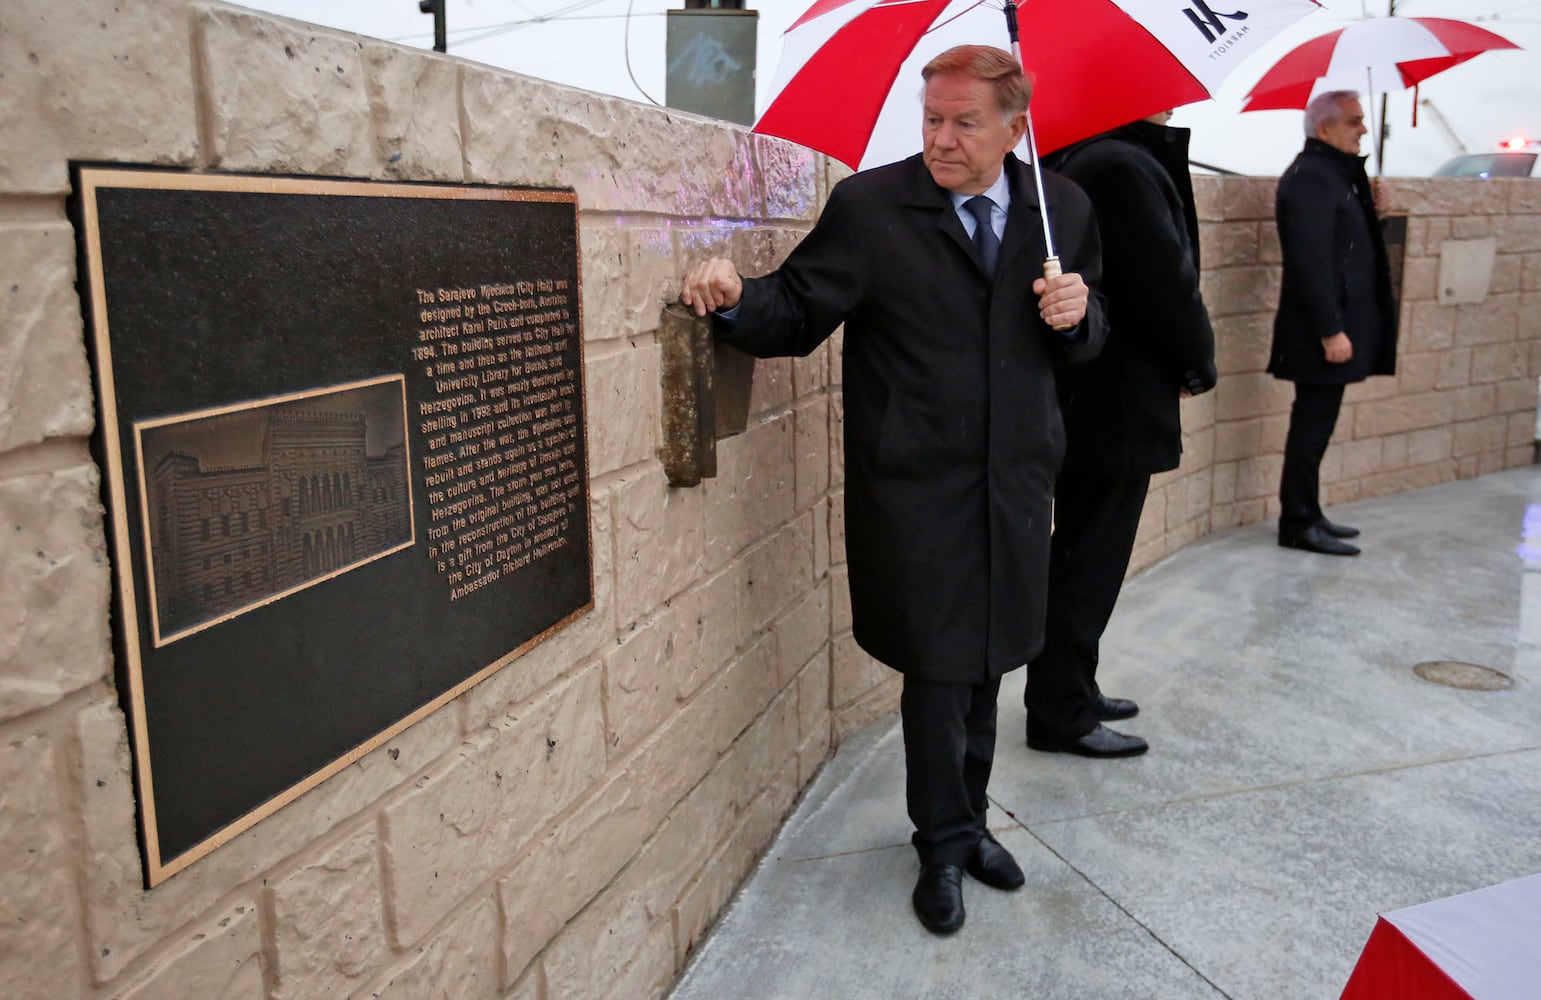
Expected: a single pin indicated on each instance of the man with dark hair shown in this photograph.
(1121, 417)
(1336, 323)
(952, 428)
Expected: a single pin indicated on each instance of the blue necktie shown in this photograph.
(985, 240)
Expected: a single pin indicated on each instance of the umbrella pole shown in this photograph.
(1051, 268)
(1369, 104)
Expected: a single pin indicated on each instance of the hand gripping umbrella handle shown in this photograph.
(1050, 272)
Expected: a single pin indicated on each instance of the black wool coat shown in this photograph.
(1336, 276)
(1122, 409)
(952, 427)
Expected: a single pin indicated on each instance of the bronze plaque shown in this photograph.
(341, 428)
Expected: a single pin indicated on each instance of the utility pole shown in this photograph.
(436, 8)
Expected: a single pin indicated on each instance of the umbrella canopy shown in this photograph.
(1373, 56)
(848, 83)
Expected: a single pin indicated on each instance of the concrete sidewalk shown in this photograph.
(1301, 779)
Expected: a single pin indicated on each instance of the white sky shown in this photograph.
(587, 43)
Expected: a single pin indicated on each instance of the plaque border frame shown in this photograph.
(88, 178)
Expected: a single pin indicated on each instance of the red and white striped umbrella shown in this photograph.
(1372, 56)
(848, 83)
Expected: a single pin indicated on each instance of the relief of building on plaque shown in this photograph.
(254, 502)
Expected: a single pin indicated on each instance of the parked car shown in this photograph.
(1514, 158)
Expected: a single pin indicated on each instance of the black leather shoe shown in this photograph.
(938, 898)
(1338, 530)
(1100, 742)
(1112, 709)
(993, 865)
(1316, 539)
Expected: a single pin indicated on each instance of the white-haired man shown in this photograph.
(1336, 323)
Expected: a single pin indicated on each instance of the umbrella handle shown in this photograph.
(1051, 270)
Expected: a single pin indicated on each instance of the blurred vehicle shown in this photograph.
(1517, 157)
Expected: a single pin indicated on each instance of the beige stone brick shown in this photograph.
(607, 261)
(777, 572)
(1259, 477)
(45, 388)
(1477, 436)
(624, 400)
(878, 703)
(853, 673)
(1198, 449)
(1420, 279)
(771, 391)
(703, 900)
(1403, 413)
(1471, 227)
(1255, 395)
(1224, 484)
(768, 746)
(1344, 492)
(1518, 233)
(282, 97)
(812, 451)
(660, 542)
(1242, 344)
(1152, 516)
(414, 100)
(466, 819)
(753, 491)
(1228, 244)
(328, 931)
(1419, 372)
(788, 176)
(221, 959)
(1394, 451)
(813, 696)
(1530, 272)
(459, 962)
(1436, 231)
(1236, 439)
(712, 611)
(1490, 462)
(1425, 446)
(650, 971)
(1428, 326)
(1522, 430)
(519, 677)
(1466, 467)
(123, 920)
(1471, 402)
(592, 949)
(802, 631)
(1360, 458)
(92, 81)
(1507, 271)
(811, 374)
(1494, 321)
(1238, 290)
(1248, 197)
(1499, 362)
(840, 611)
(1517, 393)
(38, 914)
(1519, 456)
(837, 432)
(1535, 358)
(1524, 199)
(53, 608)
(1269, 251)
(1454, 368)
(618, 155)
(814, 753)
(1331, 469)
(641, 678)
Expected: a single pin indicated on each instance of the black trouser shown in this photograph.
(949, 746)
(1312, 419)
(1096, 516)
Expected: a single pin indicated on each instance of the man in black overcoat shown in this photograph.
(1336, 323)
(952, 427)
(1121, 417)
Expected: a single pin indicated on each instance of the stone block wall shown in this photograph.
(568, 828)
(571, 826)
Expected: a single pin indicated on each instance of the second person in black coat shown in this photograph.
(1121, 417)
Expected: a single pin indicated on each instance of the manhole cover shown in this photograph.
(1468, 676)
